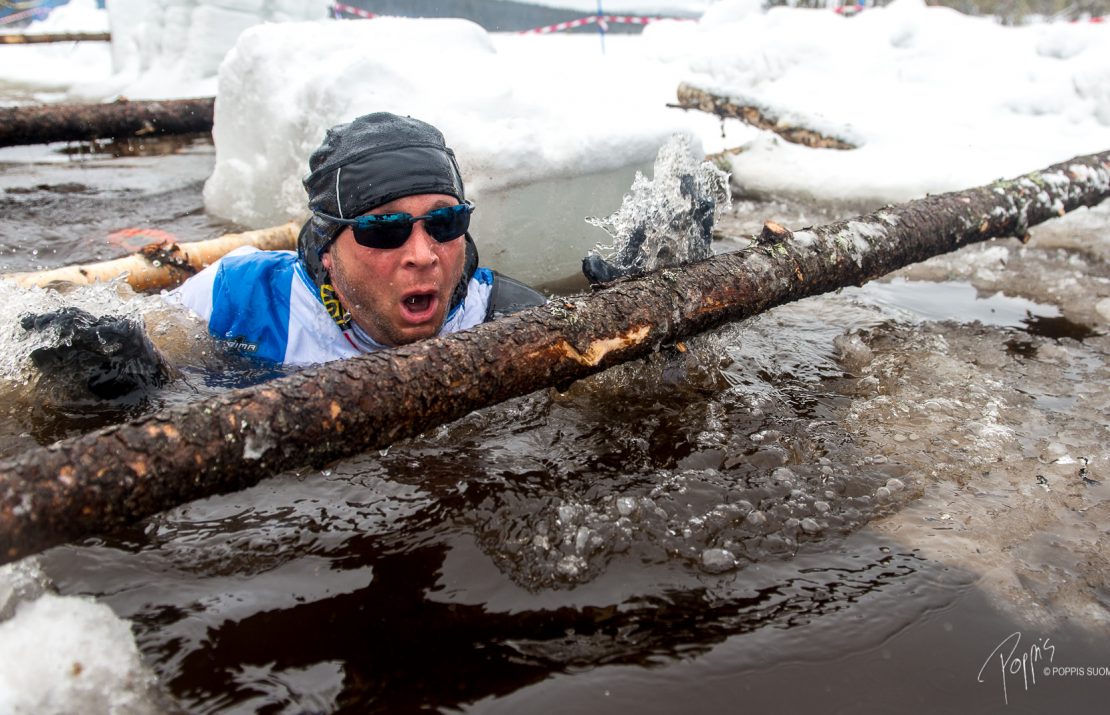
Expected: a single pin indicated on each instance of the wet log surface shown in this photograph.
(84, 122)
(118, 475)
(690, 97)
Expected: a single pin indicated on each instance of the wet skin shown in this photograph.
(398, 295)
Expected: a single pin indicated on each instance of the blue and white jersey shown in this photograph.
(263, 304)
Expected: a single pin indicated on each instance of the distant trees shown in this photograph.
(1008, 12)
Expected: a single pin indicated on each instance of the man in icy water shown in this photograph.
(384, 260)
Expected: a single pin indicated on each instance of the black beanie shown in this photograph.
(368, 162)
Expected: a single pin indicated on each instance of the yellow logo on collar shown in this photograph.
(333, 306)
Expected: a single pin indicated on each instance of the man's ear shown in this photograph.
(326, 261)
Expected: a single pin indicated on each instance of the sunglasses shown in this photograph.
(392, 230)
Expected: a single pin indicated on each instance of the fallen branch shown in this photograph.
(163, 265)
(83, 122)
(118, 475)
(690, 97)
(20, 38)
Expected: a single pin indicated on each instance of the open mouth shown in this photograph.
(418, 307)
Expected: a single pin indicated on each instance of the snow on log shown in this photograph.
(99, 481)
(82, 122)
(691, 97)
(163, 265)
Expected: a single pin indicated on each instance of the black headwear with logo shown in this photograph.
(363, 164)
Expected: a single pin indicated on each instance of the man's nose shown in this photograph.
(420, 248)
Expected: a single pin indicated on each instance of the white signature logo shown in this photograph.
(1011, 663)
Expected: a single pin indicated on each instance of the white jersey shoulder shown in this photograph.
(263, 304)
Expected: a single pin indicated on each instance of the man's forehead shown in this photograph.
(424, 202)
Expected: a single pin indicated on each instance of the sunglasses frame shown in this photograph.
(400, 219)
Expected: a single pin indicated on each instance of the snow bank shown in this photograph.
(543, 141)
(940, 101)
(57, 66)
(74, 16)
(61, 655)
(548, 130)
(167, 48)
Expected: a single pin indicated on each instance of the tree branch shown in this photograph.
(691, 97)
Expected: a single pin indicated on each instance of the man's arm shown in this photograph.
(509, 295)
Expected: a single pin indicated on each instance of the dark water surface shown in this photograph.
(784, 518)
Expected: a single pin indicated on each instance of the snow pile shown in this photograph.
(166, 48)
(541, 144)
(941, 101)
(65, 654)
(74, 16)
(57, 66)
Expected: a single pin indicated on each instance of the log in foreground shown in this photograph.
(118, 475)
(691, 97)
(83, 122)
(163, 265)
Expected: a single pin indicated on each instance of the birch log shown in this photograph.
(103, 480)
(163, 265)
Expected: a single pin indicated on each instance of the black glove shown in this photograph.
(109, 357)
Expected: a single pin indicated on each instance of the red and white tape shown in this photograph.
(602, 20)
(16, 17)
(356, 11)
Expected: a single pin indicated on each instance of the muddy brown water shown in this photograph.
(849, 504)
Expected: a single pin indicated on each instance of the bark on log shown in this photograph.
(82, 122)
(20, 38)
(690, 97)
(163, 265)
(96, 482)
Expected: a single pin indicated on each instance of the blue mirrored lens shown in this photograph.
(392, 230)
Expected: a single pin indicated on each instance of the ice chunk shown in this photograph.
(717, 560)
(69, 654)
(852, 352)
(626, 506)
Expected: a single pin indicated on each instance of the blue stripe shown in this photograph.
(483, 276)
(250, 303)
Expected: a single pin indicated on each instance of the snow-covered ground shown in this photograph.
(549, 130)
(45, 69)
(936, 100)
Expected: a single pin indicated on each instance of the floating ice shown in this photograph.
(61, 655)
(717, 560)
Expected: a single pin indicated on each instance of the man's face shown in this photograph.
(398, 295)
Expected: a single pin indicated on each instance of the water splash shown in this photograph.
(663, 222)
